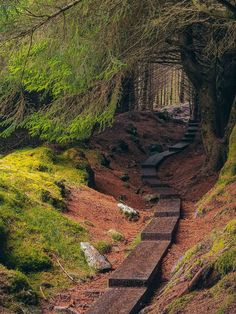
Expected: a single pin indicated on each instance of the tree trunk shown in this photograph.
(215, 85)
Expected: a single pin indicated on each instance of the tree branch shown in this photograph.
(228, 5)
(48, 19)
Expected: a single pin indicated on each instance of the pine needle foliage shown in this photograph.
(74, 56)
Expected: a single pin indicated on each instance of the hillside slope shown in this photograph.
(203, 280)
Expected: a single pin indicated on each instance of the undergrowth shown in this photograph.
(226, 180)
(35, 237)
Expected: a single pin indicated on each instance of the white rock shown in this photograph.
(94, 258)
(129, 212)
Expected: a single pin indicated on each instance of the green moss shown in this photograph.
(187, 256)
(226, 262)
(103, 247)
(178, 304)
(218, 245)
(115, 235)
(231, 227)
(227, 177)
(135, 242)
(33, 231)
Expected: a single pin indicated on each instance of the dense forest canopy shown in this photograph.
(63, 63)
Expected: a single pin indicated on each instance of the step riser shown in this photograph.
(168, 208)
(130, 300)
(189, 135)
(175, 149)
(159, 236)
(137, 270)
(148, 177)
(187, 140)
(167, 214)
(145, 166)
(160, 185)
(160, 229)
(168, 196)
(118, 283)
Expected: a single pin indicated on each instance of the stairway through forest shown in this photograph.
(133, 283)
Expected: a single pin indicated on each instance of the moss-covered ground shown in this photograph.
(226, 180)
(35, 237)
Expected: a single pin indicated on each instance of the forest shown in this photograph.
(117, 156)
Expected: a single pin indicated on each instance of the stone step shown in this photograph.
(168, 208)
(161, 228)
(187, 139)
(193, 124)
(141, 266)
(156, 159)
(154, 182)
(120, 301)
(148, 173)
(193, 121)
(189, 135)
(192, 130)
(179, 146)
(166, 192)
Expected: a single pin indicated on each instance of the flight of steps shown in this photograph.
(131, 285)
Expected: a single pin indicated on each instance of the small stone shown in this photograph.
(151, 197)
(94, 258)
(129, 212)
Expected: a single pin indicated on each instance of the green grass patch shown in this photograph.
(34, 235)
(103, 247)
(115, 235)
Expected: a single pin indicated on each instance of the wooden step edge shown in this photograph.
(130, 300)
(129, 276)
(158, 235)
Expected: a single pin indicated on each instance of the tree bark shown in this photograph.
(215, 85)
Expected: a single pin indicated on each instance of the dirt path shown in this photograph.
(184, 172)
(99, 208)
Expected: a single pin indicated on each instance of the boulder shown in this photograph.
(94, 258)
(129, 212)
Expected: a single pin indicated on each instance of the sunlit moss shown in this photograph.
(178, 304)
(227, 177)
(34, 233)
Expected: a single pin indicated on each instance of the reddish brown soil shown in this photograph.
(184, 171)
(98, 211)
